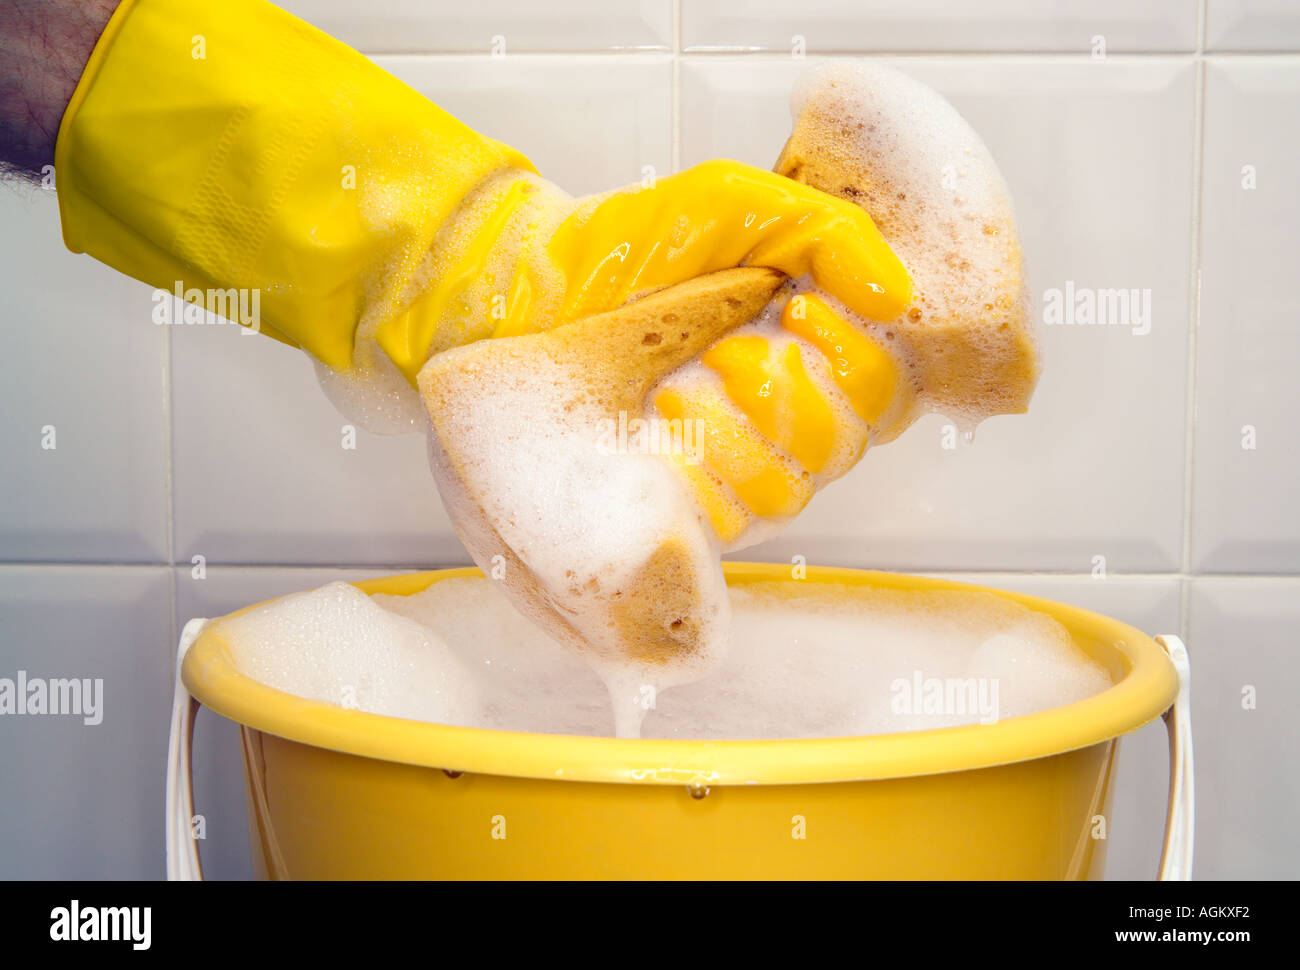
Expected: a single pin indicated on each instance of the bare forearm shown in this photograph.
(44, 46)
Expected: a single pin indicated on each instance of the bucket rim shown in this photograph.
(1146, 687)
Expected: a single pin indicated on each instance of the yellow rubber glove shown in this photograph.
(229, 144)
(772, 437)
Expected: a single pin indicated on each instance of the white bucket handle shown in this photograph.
(1180, 816)
(182, 848)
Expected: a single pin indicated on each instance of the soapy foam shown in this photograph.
(895, 146)
(825, 661)
(875, 662)
(526, 681)
(374, 395)
(336, 644)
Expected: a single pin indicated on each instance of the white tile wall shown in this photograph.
(1242, 640)
(1126, 171)
(260, 465)
(1248, 401)
(1252, 25)
(492, 25)
(84, 434)
(85, 801)
(824, 26)
(554, 109)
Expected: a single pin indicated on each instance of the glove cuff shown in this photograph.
(230, 144)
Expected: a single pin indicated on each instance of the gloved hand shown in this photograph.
(772, 438)
(232, 145)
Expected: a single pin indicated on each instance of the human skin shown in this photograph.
(44, 46)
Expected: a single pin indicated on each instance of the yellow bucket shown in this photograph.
(343, 794)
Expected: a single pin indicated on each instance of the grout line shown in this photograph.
(429, 567)
(677, 86)
(1194, 320)
(175, 622)
(1271, 54)
(1185, 609)
(771, 53)
(648, 50)
(169, 477)
(776, 52)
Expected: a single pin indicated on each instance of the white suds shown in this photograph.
(818, 661)
(336, 644)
